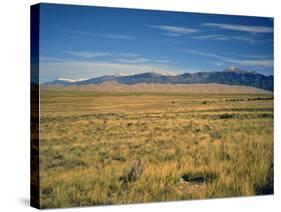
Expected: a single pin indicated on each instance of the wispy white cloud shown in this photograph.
(51, 59)
(244, 38)
(215, 63)
(128, 54)
(134, 60)
(264, 63)
(174, 31)
(200, 53)
(211, 37)
(243, 28)
(92, 54)
(88, 54)
(220, 37)
(254, 56)
(129, 58)
(247, 62)
(142, 60)
(112, 36)
(162, 61)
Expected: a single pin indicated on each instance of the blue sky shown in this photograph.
(80, 42)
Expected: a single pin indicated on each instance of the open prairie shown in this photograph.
(111, 148)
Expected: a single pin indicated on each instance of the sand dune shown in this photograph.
(169, 88)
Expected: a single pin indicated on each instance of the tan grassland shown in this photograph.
(101, 148)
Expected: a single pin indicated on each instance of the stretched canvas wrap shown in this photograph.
(138, 106)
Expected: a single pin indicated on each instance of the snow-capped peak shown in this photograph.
(237, 70)
(232, 68)
(164, 73)
(124, 74)
(71, 80)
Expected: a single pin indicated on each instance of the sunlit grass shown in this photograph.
(189, 147)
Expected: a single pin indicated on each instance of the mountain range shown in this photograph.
(229, 76)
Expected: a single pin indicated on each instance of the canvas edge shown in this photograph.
(34, 106)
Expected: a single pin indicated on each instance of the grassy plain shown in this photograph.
(184, 146)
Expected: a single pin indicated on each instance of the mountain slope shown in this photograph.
(231, 76)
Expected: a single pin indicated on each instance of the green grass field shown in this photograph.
(110, 148)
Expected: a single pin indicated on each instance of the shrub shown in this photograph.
(226, 116)
(215, 135)
(198, 177)
(133, 172)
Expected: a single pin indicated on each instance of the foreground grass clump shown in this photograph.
(98, 149)
(133, 173)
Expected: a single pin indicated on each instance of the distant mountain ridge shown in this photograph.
(230, 76)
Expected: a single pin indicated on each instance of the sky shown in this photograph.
(82, 42)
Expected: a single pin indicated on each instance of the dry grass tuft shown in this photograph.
(133, 172)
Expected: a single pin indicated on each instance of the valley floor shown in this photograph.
(115, 148)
